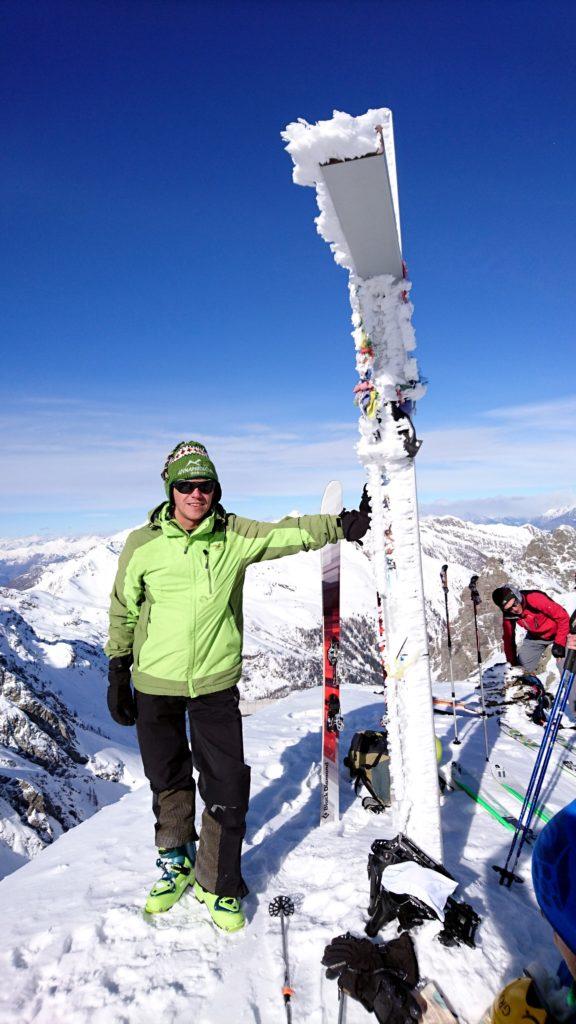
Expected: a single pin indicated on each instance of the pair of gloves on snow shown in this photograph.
(121, 705)
(381, 977)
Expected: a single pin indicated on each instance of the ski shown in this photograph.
(442, 702)
(567, 765)
(517, 790)
(331, 717)
(567, 746)
(469, 784)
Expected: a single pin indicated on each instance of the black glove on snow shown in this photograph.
(346, 951)
(379, 977)
(394, 1003)
(121, 704)
(356, 522)
(399, 956)
(558, 651)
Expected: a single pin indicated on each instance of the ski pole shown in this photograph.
(476, 600)
(539, 771)
(282, 907)
(444, 580)
(536, 781)
(341, 1007)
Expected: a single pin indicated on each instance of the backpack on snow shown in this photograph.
(368, 762)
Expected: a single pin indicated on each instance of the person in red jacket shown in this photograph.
(545, 622)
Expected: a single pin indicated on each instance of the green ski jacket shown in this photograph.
(176, 606)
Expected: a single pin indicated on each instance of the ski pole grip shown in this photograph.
(570, 660)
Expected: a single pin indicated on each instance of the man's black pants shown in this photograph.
(223, 780)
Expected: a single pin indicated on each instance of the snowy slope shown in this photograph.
(22, 559)
(61, 757)
(86, 953)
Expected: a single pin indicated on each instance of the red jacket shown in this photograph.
(542, 619)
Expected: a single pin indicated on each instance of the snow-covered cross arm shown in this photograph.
(350, 161)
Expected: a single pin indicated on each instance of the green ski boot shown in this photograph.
(177, 874)
(225, 911)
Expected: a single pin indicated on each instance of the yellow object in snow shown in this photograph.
(518, 1002)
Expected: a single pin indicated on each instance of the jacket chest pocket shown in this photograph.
(211, 564)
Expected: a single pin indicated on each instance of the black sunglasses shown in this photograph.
(189, 486)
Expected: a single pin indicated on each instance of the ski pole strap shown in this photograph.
(473, 588)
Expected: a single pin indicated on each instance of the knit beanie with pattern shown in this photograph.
(189, 460)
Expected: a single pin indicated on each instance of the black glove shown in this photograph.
(121, 704)
(399, 956)
(345, 951)
(356, 522)
(394, 1003)
(379, 977)
(365, 503)
(558, 651)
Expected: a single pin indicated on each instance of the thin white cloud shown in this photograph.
(555, 410)
(523, 450)
(502, 506)
(95, 457)
(91, 456)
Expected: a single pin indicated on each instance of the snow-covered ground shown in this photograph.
(76, 946)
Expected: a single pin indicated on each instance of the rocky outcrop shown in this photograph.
(48, 782)
(298, 666)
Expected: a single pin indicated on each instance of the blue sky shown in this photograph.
(162, 277)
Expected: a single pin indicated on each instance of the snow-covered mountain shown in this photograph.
(565, 516)
(61, 757)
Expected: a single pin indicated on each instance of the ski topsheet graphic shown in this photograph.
(350, 162)
(331, 716)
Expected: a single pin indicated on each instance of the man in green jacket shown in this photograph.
(175, 650)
